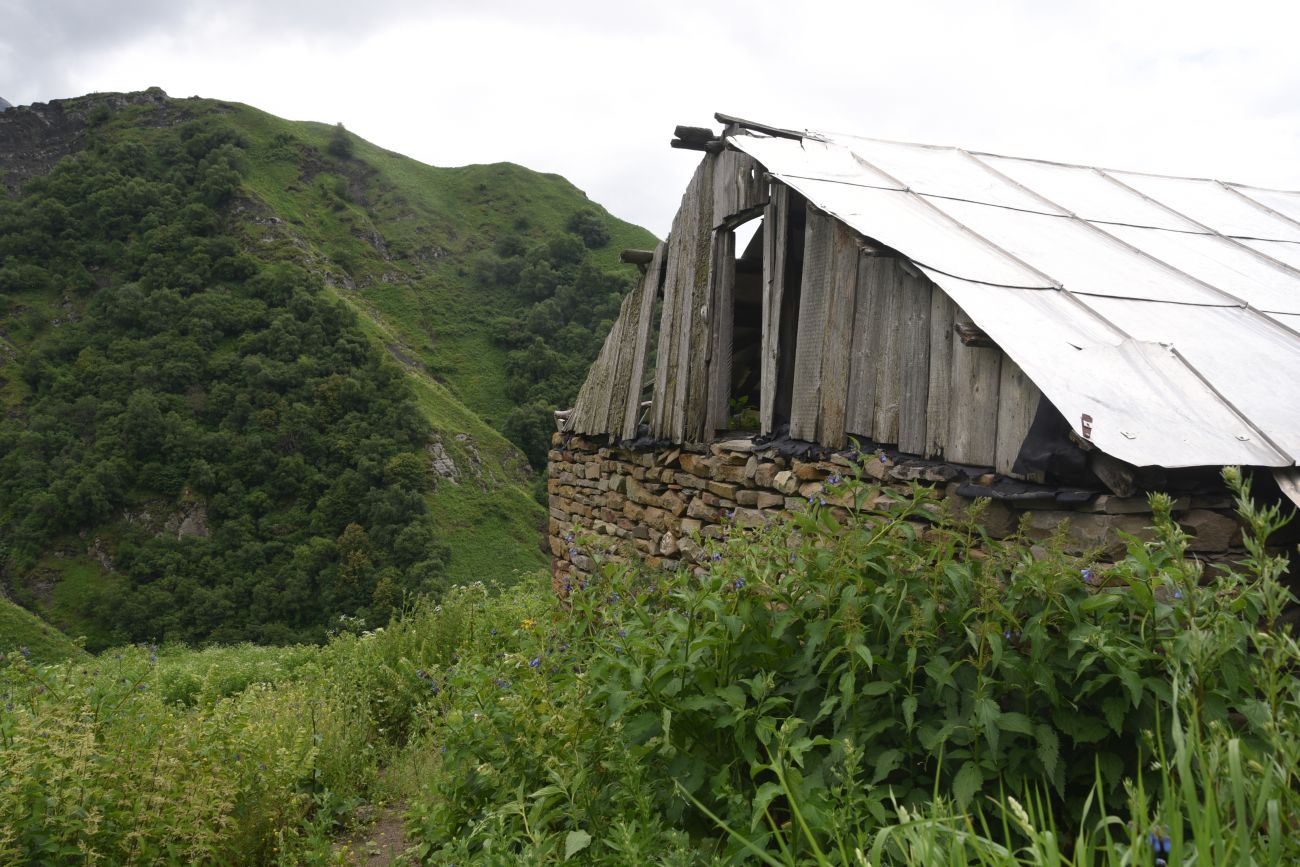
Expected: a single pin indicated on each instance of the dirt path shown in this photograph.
(380, 844)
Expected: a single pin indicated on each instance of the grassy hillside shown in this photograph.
(23, 634)
(109, 330)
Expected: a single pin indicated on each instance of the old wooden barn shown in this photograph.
(1056, 324)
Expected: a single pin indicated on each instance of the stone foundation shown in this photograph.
(661, 504)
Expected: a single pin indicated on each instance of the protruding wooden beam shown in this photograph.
(695, 133)
(712, 147)
(636, 257)
(972, 335)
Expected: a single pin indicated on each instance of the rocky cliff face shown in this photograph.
(35, 137)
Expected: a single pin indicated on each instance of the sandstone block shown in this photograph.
(656, 518)
(809, 472)
(765, 473)
(687, 480)
(786, 482)
(690, 526)
(673, 503)
(750, 518)
(701, 511)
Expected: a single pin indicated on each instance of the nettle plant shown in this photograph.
(890, 654)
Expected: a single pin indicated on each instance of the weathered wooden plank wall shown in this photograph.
(776, 220)
(649, 289)
(1017, 403)
(818, 271)
(841, 299)
(679, 383)
(943, 315)
(973, 401)
(914, 358)
(739, 187)
(876, 354)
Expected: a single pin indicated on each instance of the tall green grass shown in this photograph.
(885, 687)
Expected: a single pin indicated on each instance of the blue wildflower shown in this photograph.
(537, 660)
(616, 596)
(834, 479)
(492, 632)
(568, 537)
(622, 633)
(1178, 594)
(821, 501)
(1088, 576)
(25, 652)
(884, 459)
(738, 584)
(716, 557)
(1161, 845)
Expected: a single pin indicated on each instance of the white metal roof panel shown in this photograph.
(1133, 298)
(1210, 203)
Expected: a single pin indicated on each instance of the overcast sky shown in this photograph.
(592, 90)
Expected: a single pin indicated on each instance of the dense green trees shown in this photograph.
(165, 366)
(569, 305)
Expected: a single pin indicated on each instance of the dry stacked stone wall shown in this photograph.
(660, 505)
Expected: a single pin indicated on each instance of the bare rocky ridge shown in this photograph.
(35, 137)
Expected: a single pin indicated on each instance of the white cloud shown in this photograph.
(593, 90)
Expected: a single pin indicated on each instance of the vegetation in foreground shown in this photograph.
(864, 690)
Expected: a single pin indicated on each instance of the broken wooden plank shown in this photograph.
(775, 222)
(1017, 403)
(973, 401)
(817, 271)
(641, 340)
(722, 280)
(841, 301)
(914, 322)
(938, 399)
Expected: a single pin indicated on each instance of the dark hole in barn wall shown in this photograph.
(744, 393)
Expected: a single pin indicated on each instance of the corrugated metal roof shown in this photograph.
(1167, 309)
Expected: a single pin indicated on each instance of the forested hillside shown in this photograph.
(252, 368)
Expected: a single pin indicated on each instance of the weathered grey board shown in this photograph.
(722, 294)
(973, 401)
(889, 357)
(641, 340)
(1017, 403)
(686, 273)
(665, 353)
(625, 329)
(860, 405)
(841, 299)
(938, 402)
(817, 273)
(593, 398)
(697, 314)
(914, 322)
(775, 222)
(738, 185)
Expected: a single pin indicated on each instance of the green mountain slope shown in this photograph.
(199, 442)
(24, 634)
